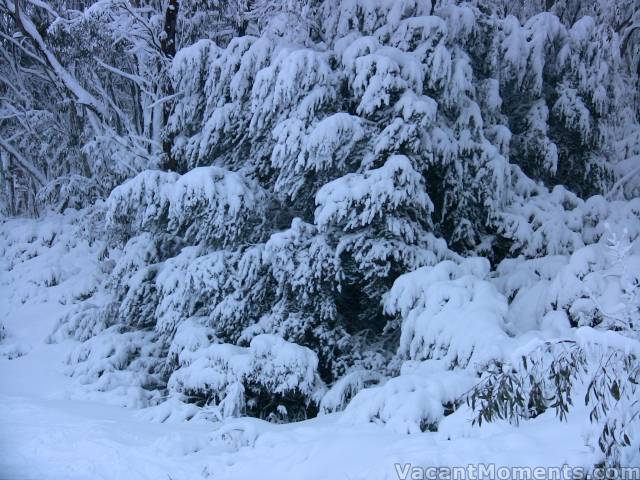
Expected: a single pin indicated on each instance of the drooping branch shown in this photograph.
(23, 49)
(23, 162)
(70, 83)
(622, 181)
(137, 79)
(627, 37)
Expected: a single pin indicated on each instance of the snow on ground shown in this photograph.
(46, 434)
(50, 429)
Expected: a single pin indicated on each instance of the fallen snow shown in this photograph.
(46, 434)
(51, 428)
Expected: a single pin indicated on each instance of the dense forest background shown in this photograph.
(399, 209)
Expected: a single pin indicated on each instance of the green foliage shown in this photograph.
(551, 376)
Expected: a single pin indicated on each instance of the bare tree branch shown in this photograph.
(24, 163)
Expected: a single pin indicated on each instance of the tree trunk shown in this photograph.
(168, 46)
(168, 41)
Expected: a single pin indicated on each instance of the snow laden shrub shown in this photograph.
(597, 290)
(596, 286)
(465, 95)
(206, 205)
(381, 218)
(302, 117)
(54, 258)
(452, 325)
(147, 219)
(539, 222)
(302, 273)
(346, 387)
(284, 286)
(120, 361)
(168, 275)
(599, 371)
(271, 378)
(459, 324)
(567, 99)
(415, 401)
(450, 313)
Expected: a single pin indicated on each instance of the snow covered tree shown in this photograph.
(378, 192)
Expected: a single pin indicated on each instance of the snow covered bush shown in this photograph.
(595, 286)
(413, 402)
(53, 258)
(451, 323)
(540, 222)
(346, 387)
(450, 313)
(516, 342)
(381, 216)
(271, 378)
(124, 363)
(600, 371)
(596, 290)
(206, 205)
